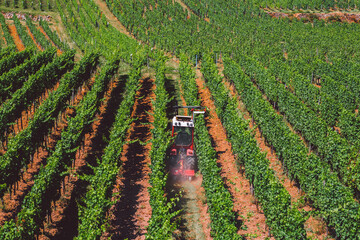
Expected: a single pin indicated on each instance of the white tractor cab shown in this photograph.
(182, 155)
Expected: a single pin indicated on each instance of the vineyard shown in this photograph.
(88, 90)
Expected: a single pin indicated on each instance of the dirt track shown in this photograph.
(13, 202)
(64, 212)
(131, 212)
(330, 17)
(244, 203)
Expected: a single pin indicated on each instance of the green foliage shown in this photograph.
(15, 78)
(39, 37)
(30, 218)
(24, 144)
(97, 200)
(36, 84)
(284, 220)
(14, 59)
(331, 147)
(90, 30)
(219, 200)
(161, 225)
(4, 52)
(23, 34)
(53, 36)
(7, 35)
(334, 201)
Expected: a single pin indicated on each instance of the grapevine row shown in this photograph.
(15, 78)
(334, 201)
(328, 107)
(24, 144)
(160, 223)
(53, 36)
(6, 51)
(39, 37)
(37, 83)
(23, 34)
(284, 220)
(7, 35)
(332, 148)
(14, 59)
(219, 200)
(48, 180)
(97, 200)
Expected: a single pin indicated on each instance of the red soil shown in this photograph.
(2, 36)
(22, 122)
(33, 38)
(244, 203)
(314, 227)
(130, 214)
(330, 17)
(62, 206)
(47, 37)
(19, 45)
(12, 204)
(197, 182)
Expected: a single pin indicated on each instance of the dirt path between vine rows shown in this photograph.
(47, 37)
(193, 192)
(64, 212)
(130, 214)
(2, 40)
(12, 203)
(112, 19)
(314, 227)
(37, 44)
(19, 44)
(239, 187)
(333, 16)
(194, 218)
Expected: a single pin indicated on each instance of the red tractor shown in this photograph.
(182, 154)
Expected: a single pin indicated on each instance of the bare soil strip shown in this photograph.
(19, 45)
(2, 40)
(47, 37)
(329, 17)
(112, 19)
(33, 38)
(12, 202)
(195, 219)
(244, 203)
(314, 227)
(63, 220)
(22, 122)
(130, 215)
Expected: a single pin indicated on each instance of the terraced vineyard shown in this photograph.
(88, 89)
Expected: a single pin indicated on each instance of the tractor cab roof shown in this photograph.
(182, 121)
